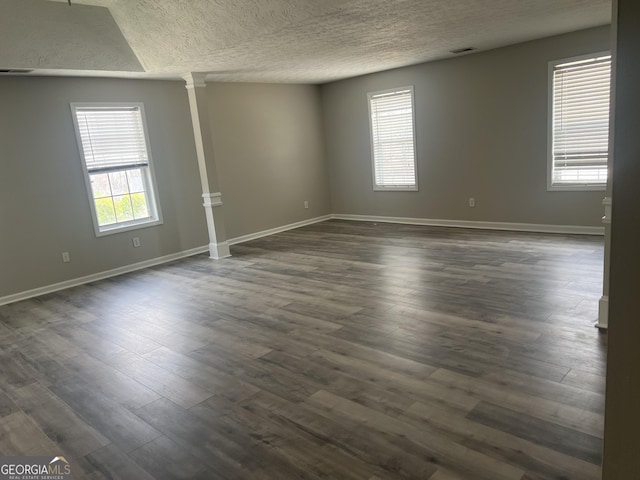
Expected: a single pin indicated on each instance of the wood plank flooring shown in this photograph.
(341, 350)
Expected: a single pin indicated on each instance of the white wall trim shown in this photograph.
(273, 231)
(195, 80)
(222, 249)
(212, 199)
(518, 227)
(101, 275)
(606, 201)
(218, 251)
(603, 313)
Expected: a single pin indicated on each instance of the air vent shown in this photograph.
(15, 70)
(463, 50)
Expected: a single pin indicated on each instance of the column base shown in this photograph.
(603, 313)
(218, 251)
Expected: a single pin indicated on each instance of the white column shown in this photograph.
(603, 305)
(212, 198)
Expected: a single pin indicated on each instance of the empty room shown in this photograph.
(319, 239)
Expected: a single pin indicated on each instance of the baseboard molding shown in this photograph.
(520, 227)
(273, 231)
(101, 275)
(517, 227)
(603, 313)
(16, 297)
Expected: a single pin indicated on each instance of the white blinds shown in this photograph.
(392, 138)
(581, 121)
(112, 138)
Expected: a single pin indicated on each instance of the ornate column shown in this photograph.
(212, 198)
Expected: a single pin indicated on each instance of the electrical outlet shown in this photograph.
(136, 242)
(472, 202)
(65, 257)
(306, 204)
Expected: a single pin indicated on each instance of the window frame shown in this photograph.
(149, 178)
(394, 188)
(566, 187)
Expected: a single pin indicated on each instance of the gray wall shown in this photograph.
(44, 208)
(622, 416)
(481, 127)
(269, 152)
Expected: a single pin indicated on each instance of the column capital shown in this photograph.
(195, 79)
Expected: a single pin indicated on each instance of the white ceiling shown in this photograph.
(315, 41)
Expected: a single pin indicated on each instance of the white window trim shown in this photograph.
(155, 203)
(399, 188)
(566, 187)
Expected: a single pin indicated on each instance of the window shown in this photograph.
(393, 139)
(579, 123)
(113, 145)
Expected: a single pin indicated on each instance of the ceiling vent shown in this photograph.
(14, 70)
(462, 50)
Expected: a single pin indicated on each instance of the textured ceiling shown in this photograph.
(315, 41)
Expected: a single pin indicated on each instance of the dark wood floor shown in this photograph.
(340, 350)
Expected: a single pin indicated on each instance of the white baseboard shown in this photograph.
(517, 227)
(603, 313)
(273, 231)
(221, 251)
(522, 227)
(101, 275)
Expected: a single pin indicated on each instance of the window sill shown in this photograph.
(104, 231)
(395, 189)
(576, 188)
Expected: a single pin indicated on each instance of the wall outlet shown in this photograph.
(65, 257)
(306, 204)
(472, 202)
(136, 242)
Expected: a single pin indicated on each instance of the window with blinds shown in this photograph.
(393, 139)
(579, 122)
(117, 165)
